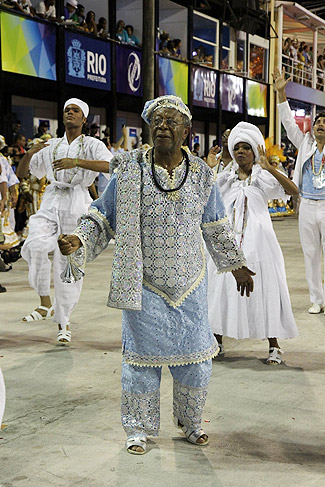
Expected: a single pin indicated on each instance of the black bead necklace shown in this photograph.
(155, 180)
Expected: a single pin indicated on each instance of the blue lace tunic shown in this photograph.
(172, 327)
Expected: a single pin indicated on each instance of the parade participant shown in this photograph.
(8, 215)
(71, 164)
(224, 160)
(154, 206)
(3, 199)
(274, 153)
(309, 176)
(246, 190)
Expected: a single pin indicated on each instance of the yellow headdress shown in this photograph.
(274, 153)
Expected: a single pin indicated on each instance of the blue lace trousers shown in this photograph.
(140, 402)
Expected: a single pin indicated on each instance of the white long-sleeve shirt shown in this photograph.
(68, 190)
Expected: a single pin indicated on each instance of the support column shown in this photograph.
(279, 64)
(148, 60)
(272, 64)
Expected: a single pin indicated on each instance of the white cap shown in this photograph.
(74, 3)
(81, 104)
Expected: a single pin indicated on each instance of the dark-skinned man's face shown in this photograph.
(167, 129)
(73, 117)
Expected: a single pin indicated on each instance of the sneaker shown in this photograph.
(2, 289)
(315, 309)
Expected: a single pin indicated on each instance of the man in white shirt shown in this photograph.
(71, 164)
(46, 9)
(309, 176)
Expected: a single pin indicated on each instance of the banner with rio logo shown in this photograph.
(27, 46)
(87, 61)
(128, 70)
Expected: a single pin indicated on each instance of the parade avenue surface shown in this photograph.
(265, 423)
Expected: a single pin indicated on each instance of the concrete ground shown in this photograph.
(266, 424)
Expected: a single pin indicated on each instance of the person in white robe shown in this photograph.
(8, 217)
(71, 164)
(246, 188)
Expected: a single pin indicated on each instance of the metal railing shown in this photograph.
(303, 73)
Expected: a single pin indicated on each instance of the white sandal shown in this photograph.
(274, 357)
(136, 441)
(64, 335)
(191, 435)
(36, 316)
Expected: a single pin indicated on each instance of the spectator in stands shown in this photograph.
(199, 54)
(24, 6)
(90, 24)
(46, 9)
(70, 10)
(293, 52)
(164, 38)
(15, 130)
(196, 149)
(320, 72)
(134, 40)
(171, 47)
(102, 28)
(177, 47)
(121, 33)
(81, 14)
(20, 143)
(286, 46)
(94, 130)
(42, 129)
(106, 138)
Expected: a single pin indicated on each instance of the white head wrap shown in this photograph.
(81, 104)
(165, 101)
(245, 132)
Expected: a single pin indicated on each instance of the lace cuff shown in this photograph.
(94, 233)
(221, 244)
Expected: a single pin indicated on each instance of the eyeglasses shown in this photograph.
(243, 147)
(156, 122)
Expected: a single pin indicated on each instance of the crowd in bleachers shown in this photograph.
(76, 17)
(298, 59)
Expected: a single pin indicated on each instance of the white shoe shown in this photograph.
(315, 309)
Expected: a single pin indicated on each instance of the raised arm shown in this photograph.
(293, 131)
(288, 185)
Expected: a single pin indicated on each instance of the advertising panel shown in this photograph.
(27, 46)
(231, 89)
(173, 78)
(128, 70)
(256, 99)
(204, 84)
(87, 61)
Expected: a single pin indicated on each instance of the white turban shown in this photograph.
(245, 132)
(81, 104)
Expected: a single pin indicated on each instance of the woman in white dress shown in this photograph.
(246, 189)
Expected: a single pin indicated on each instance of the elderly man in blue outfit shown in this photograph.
(157, 205)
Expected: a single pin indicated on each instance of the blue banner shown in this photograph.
(128, 70)
(87, 61)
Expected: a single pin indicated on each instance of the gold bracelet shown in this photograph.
(76, 162)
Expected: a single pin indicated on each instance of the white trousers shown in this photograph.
(312, 237)
(44, 229)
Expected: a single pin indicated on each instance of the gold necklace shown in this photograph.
(313, 165)
(81, 147)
